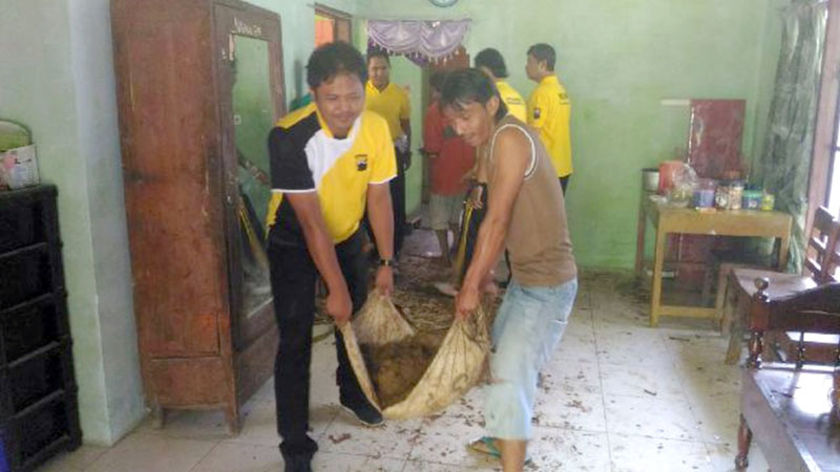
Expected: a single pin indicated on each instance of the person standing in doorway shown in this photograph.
(450, 159)
(391, 102)
(549, 109)
(491, 62)
(525, 214)
(330, 162)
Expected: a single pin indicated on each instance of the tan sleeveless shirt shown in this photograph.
(538, 237)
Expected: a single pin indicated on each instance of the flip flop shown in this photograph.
(487, 445)
(446, 288)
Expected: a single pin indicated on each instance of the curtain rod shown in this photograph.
(359, 17)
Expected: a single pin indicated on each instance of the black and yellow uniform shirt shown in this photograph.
(390, 103)
(549, 111)
(514, 102)
(305, 157)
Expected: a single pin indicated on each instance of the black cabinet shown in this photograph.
(38, 400)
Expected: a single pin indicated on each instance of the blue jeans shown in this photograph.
(528, 327)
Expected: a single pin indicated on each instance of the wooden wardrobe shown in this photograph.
(199, 86)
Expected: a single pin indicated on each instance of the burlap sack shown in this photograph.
(379, 322)
(456, 368)
(458, 365)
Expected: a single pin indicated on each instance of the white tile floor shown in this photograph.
(617, 396)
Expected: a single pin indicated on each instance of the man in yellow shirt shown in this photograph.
(491, 62)
(330, 163)
(391, 102)
(549, 109)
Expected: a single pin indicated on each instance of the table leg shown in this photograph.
(744, 440)
(658, 261)
(784, 248)
(641, 225)
(736, 333)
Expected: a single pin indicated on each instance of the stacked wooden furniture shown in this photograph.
(38, 395)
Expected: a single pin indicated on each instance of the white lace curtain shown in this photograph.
(426, 40)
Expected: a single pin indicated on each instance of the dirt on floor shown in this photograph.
(396, 368)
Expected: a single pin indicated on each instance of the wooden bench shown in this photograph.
(791, 409)
(820, 266)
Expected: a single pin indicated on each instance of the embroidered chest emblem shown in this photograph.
(361, 162)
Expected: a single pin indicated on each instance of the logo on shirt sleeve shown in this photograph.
(536, 113)
(361, 162)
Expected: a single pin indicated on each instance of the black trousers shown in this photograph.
(471, 235)
(293, 277)
(564, 181)
(398, 201)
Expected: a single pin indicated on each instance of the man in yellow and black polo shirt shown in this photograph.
(390, 101)
(330, 162)
(549, 109)
(491, 62)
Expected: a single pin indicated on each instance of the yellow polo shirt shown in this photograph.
(515, 103)
(549, 110)
(391, 103)
(305, 157)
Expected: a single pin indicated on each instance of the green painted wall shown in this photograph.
(297, 21)
(406, 74)
(61, 85)
(619, 59)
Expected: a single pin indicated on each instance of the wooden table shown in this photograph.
(788, 413)
(667, 219)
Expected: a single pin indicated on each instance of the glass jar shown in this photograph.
(752, 200)
(768, 201)
(704, 193)
(722, 195)
(736, 194)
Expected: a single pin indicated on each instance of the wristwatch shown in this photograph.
(386, 263)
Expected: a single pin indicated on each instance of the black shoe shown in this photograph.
(297, 454)
(298, 463)
(364, 412)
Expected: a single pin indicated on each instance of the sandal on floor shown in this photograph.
(487, 445)
(446, 288)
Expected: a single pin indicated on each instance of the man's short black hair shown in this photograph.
(466, 86)
(332, 59)
(437, 80)
(377, 52)
(543, 52)
(493, 60)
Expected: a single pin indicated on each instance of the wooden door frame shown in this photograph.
(828, 114)
(231, 18)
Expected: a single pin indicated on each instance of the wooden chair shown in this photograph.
(822, 258)
(791, 410)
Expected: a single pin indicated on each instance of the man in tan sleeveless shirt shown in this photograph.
(525, 215)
